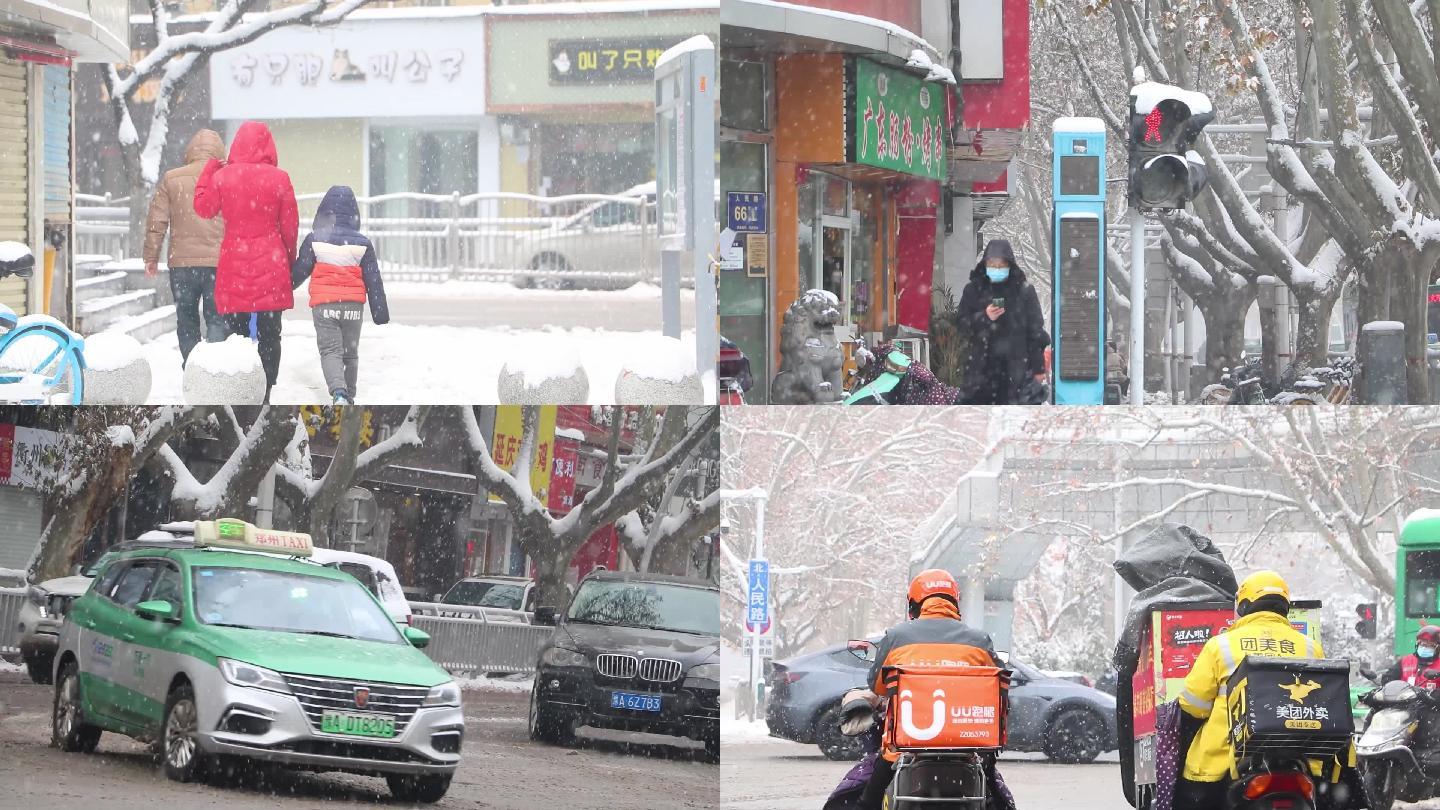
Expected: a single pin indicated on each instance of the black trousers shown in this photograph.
(194, 291)
(1200, 795)
(267, 331)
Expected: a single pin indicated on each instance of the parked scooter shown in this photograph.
(1394, 763)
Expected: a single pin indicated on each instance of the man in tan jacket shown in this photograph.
(194, 243)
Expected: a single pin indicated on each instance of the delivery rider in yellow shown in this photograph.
(1262, 605)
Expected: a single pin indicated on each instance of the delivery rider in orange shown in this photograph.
(934, 636)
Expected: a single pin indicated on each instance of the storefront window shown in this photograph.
(426, 161)
(808, 210)
(744, 95)
(837, 197)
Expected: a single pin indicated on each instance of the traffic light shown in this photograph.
(1165, 173)
(1366, 626)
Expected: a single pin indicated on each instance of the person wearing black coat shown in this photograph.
(1007, 342)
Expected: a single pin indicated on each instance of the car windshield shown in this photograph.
(649, 605)
(504, 595)
(290, 603)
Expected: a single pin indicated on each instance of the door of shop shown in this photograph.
(744, 292)
(827, 255)
(14, 172)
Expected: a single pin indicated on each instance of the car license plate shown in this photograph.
(359, 725)
(639, 703)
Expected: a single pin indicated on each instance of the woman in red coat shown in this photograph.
(261, 224)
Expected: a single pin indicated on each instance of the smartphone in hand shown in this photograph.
(998, 303)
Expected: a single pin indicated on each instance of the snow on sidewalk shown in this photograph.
(509, 685)
(436, 365)
(744, 731)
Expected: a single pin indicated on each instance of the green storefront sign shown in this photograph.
(897, 122)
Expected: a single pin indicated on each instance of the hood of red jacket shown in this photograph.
(253, 144)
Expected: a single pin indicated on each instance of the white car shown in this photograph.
(375, 574)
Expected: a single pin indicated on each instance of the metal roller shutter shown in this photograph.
(14, 163)
(20, 526)
(57, 144)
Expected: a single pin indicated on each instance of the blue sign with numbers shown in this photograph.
(757, 603)
(745, 211)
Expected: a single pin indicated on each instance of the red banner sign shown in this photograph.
(1143, 692)
(7, 452)
(562, 476)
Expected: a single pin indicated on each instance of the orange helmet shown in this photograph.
(934, 582)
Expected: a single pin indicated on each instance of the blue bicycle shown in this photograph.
(41, 361)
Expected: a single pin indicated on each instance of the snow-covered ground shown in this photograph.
(740, 731)
(515, 684)
(442, 365)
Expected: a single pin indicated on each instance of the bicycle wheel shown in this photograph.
(42, 363)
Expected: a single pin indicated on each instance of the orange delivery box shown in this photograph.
(947, 707)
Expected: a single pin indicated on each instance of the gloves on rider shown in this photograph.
(857, 711)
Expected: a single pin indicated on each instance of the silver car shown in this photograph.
(37, 629)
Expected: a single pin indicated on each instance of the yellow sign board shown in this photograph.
(505, 448)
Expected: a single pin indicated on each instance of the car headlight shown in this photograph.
(704, 672)
(561, 657)
(243, 674)
(446, 694)
(38, 598)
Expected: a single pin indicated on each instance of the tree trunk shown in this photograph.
(1224, 334)
(1312, 336)
(74, 512)
(551, 567)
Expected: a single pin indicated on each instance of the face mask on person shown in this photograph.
(1425, 652)
(997, 274)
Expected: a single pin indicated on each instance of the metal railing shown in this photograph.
(491, 614)
(595, 239)
(477, 646)
(10, 601)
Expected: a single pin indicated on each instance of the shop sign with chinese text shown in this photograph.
(607, 61)
(419, 67)
(898, 121)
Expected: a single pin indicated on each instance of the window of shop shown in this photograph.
(424, 161)
(744, 95)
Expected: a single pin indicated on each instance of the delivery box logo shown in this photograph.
(907, 717)
(1299, 691)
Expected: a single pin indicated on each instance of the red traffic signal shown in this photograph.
(1365, 628)
(1153, 120)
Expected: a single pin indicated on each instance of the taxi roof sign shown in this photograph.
(241, 536)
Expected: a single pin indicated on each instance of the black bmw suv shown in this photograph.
(637, 652)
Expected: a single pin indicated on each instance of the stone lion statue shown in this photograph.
(810, 355)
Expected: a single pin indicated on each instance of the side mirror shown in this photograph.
(418, 638)
(863, 650)
(157, 610)
(437, 597)
(1367, 674)
(546, 616)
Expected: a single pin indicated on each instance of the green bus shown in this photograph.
(1417, 578)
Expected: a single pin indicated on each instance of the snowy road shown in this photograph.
(501, 768)
(769, 774)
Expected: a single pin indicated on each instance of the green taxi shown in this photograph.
(241, 647)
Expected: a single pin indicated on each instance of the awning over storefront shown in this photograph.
(93, 30)
(778, 27)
